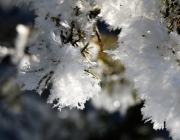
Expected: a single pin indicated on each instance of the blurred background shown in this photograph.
(114, 115)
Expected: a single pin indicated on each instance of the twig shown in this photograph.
(99, 38)
(95, 76)
(85, 47)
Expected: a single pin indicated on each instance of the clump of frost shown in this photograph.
(72, 86)
(64, 32)
(115, 12)
(150, 53)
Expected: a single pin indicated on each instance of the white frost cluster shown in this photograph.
(149, 46)
(66, 28)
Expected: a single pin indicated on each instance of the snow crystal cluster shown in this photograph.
(149, 47)
(61, 51)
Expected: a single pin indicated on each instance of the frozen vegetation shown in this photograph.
(65, 56)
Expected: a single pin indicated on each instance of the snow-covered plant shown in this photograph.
(149, 46)
(61, 52)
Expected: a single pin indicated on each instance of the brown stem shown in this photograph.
(99, 38)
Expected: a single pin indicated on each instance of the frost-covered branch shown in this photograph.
(149, 47)
(61, 52)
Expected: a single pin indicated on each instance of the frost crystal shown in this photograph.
(150, 51)
(61, 53)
